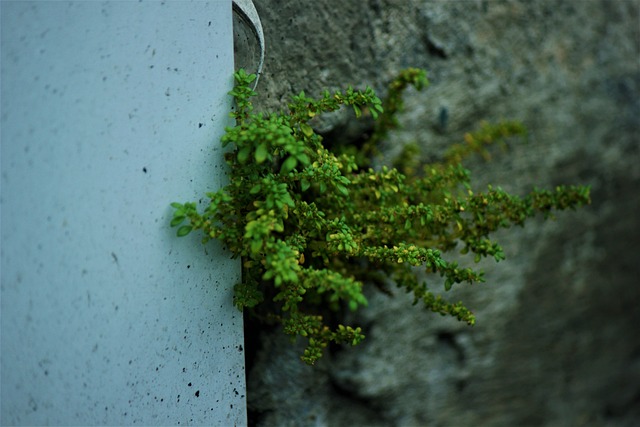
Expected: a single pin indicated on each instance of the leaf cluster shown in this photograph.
(313, 227)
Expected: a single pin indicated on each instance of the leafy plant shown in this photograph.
(314, 226)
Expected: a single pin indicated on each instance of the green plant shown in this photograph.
(314, 226)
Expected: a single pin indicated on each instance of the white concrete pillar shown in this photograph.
(110, 111)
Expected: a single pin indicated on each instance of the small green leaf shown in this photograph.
(344, 180)
(256, 246)
(288, 165)
(448, 283)
(176, 205)
(177, 220)
(184, 230)
(268, 275)
(342, 189)
(304, 184)
(261, 153)
(286, 198)
(304, 159)
(306, 129)
(243, 154)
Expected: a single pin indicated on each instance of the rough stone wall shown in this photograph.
(557, 340)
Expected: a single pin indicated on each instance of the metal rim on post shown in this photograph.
(246, 10)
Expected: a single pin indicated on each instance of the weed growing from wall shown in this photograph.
(314, 226)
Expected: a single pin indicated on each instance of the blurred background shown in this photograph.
(557, 341)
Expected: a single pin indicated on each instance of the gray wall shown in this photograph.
(111, 111)
(556, 342)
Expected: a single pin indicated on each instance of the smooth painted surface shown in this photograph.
(110, 111)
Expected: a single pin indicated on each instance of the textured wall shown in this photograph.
(557, 340)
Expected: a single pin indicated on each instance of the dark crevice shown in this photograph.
(254, 417)
(253, 330)
(622, 409)
(358, 403)
(448, 339)
(435, 50)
